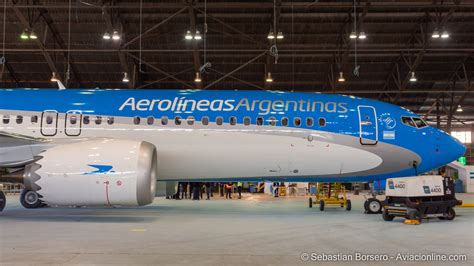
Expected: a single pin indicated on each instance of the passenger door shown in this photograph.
(49, 123)
(368, 125)
(73, 123)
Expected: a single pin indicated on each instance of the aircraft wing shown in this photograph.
(18, 150)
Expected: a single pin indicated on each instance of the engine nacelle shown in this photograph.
(94, 173)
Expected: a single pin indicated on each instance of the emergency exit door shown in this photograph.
(49, 123)
(368, 125)
(73, 124)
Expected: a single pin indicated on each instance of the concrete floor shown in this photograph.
(257, 230)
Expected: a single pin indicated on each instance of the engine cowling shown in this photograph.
(94, 173)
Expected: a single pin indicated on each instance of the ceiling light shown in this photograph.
(24, 35)
(197, 79)
(341, 77)
(269, 78)
(412, 78)
(353, 35)
(106, 36)
(197, 36)
(270, 35)
(362, 35)
(445, 35)
(459, 110)
(33, 35)
(188, 35)
(435, 34)
(54, 78)
(280, 35)
(116, 35)
(125, 77)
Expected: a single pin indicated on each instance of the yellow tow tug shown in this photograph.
(331, 194)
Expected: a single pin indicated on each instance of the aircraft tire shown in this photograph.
(373, 206)
(30, 199)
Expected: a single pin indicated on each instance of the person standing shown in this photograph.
(239, 189)
(208, 190)
(221, 189)
(228, 189)
(196, 191)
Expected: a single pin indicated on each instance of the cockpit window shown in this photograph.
(419, 122)
(408, 121)
(415, 122)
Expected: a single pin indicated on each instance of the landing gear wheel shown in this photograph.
(30, 199)
(321, 205)
(387, 217)
(450, 214)
(310, 202)
(3, 201)
(414, 215)
(373, 206)
(348, 205)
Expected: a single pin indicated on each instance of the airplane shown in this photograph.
(110, 147)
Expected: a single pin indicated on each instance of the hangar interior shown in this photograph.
(418, 54)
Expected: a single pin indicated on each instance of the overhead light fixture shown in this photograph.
(445, 35)
(362, 35)
(459, 110)
(188, 35)
(435, 34)
(280, 35)
(24, 35)
(197, 36)
(125, 77)
(269, 78)
(341, 77)
(270, 35)
(197, 79)
(353, 35)
(106, 36)
(33, 35)
(54, 78)
(116, 35)
(412, 78)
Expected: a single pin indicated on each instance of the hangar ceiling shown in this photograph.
(316, 47)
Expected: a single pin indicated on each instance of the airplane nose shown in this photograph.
(455, 148)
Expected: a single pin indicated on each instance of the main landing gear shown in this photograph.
(30, 199)
(372, 205)
(3, 201)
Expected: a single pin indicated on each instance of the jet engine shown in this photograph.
(93, 173)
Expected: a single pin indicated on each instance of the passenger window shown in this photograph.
(150, 120)
(272, 121)
(205, 120)
(309, 121)
(136, 120)
(190, 120)
(177, 120)
(164, 120)
(110, 120)
(219, 120)
(86, 120)
(6, 119)
(233, 120)
(19, 119)
(247, 121)
(49, 120)
(284, 121)
(322, 122)
(259, 121)
(98, 120)
(419, 122)
(408, 121)
(297, 122)
(34, 119)
(73, 119)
